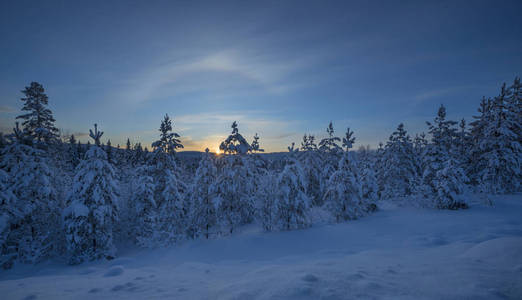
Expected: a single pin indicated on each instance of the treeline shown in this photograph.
(65, 199)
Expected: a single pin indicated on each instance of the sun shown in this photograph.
(217, 150)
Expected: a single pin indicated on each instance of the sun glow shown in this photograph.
(217, 150)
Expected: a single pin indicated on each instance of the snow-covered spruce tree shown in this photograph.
(501, 148)
(169, 141)
(29, 201)
(144, 210)
(292, 203)
(235, 192)
(329, 144)
(203, 213)
(34, 207)
(169, 190)
(108, 150)
(255, 145)
(91, 211)
(367, 176)
(235, 143)
(330, 153)
(419, 148)
(312, 166)
(514, 105)
(380, 170)
(8, 216)
(477, 135)
(343, 196)
(236, 183)
(399, 165)
(348, 140)
(38, 122)
(128, 154)
(267, 209)
(443, 176)
(73, 153)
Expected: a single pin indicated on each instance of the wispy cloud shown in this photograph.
(437, 93)
(217, 72)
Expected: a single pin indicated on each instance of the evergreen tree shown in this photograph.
(329, 144)
(255, 145)
(399, 165)
(95, 135)
(235, 143)
(368, 177)
(169, 141)
(267, 205)
(28, 204)
(91, 211)
(292, 203)
(308, 143)
(343, 196)
(348, 140)
(477, 136)
(108, 150)
(500, 148)
(169, 194)
(235, 192)
(38, 122)
(144, 210)
(443, 177)
(202, 197)
(514, 107)
(74, 156)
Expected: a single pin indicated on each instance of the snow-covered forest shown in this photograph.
(78, 202)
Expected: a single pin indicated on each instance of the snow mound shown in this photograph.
(114, 271)
(500, 252)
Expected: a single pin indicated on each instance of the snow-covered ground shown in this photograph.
(396, 253)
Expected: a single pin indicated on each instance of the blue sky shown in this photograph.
(279, 68)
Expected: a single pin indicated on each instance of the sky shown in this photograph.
(278, 68)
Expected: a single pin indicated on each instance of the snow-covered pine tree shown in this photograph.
(255, 145)
(202, 197)
(108, 150)
(96, 135)
(8, 216)
(312, 165)
(380, 170)
(367, 176)
(139, 155)
(235, 143)
(128, 155)
(235, 192)
(308, 143)
(443, 176)
(501, 148)
(169, 196)
(399, 165)
(329, 144)
(143, 208)
(73, 153)
(343, 194)
(91, 211)
(267, 210)
(169, 141)
(29, 200)
(292, 203)
(348, 140)
(38, 122)
(514, 105)
(477, 135)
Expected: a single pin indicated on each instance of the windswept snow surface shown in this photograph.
(396, 253)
